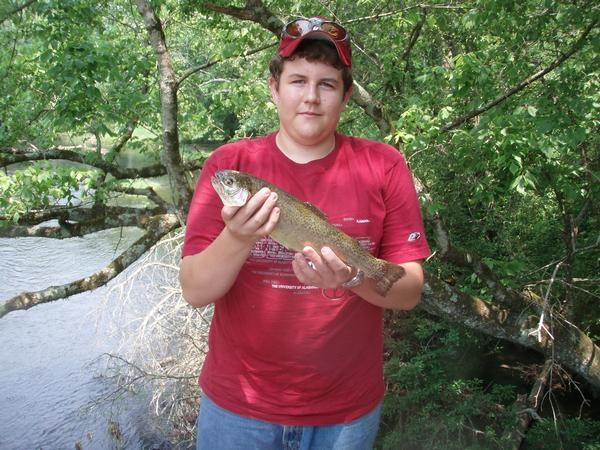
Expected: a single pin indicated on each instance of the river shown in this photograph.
(50, 355)
(54, 380)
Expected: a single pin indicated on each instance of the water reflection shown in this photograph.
(48, 353)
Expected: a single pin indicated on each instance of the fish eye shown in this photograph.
(228, 181)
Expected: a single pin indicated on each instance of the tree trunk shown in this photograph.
(168, 109)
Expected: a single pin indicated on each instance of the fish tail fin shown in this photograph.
(391, 274)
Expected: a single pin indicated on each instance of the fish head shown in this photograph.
(231, 187)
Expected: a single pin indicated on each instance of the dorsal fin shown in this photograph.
(316, 210)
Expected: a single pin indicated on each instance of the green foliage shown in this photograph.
(508, 182)
(42, 185)
(582, 434)
(73, 70)
(434, 398)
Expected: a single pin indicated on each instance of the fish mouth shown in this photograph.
(231, 195)
(218, 184)
(218, 179)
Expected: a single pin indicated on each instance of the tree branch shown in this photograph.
(89, 158)
(471, 261)
(401, 10)
(10, 156)
(414, 36)
(125, 136)
(528, 405)
(254, 11)
(82, 213)
(157, 228)
(17, 10)
(204, 66)
(74, 222)
(147, 192)
(364, 99)
(523, 84)
(569, 346)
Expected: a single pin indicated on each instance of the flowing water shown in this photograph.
(53, 357)
(50, 355)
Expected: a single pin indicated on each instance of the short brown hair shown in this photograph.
(313, 50)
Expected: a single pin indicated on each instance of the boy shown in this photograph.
(295, 358)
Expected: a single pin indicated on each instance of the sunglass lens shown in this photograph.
(300, 27)
(297, 28)
(334, 30)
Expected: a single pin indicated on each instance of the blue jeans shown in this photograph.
(219, 429)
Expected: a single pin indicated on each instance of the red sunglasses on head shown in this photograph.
(301, 26)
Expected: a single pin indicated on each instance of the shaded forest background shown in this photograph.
(494, 104)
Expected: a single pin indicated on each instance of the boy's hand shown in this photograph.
(325, 270)
(256, 219)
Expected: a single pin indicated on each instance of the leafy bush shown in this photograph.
(443, 393)
(433, 401)
(581, 434)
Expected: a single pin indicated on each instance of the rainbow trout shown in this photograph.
(301, 224)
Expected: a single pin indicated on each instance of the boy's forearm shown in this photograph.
(208, 275)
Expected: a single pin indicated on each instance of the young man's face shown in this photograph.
(310, 99)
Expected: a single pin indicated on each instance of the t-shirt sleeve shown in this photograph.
(204, 221)
(403, 237)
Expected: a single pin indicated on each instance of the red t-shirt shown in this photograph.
(292, 354)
